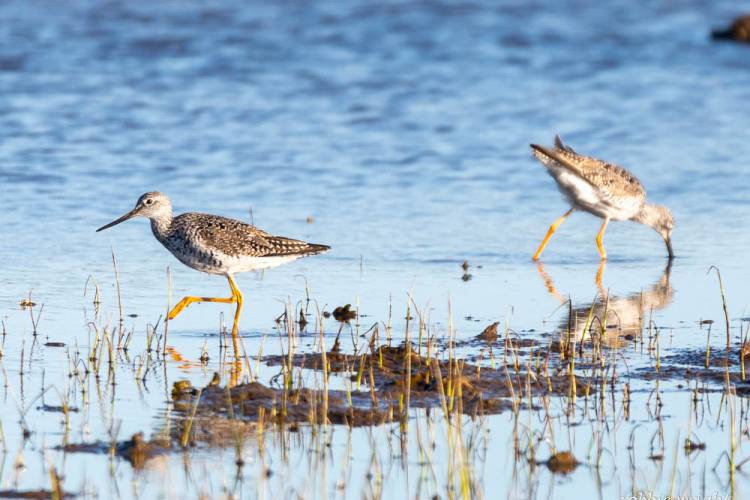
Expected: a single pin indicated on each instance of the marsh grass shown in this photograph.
(723, 304)
(566, 398)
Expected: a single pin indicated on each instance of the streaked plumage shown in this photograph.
(219, 245)
(216, 245)
(593, 185)
(601, 188)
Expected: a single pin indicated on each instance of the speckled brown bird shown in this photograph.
(602, 189)
(215, 245)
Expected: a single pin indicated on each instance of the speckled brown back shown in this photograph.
(612, 180)
(236, 238)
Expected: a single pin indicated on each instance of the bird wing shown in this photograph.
(228, 236)
(237, 238)
(610, 180)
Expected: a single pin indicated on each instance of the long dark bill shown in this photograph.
(668, 241)
(125, 217)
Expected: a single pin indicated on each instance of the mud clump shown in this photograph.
(135, 450)
(254, 402)
(26, 304)
(138, 451)
(717, 367)
(489, 334)
(562, 462)
(692, 446)
(737, 31)
(465, 266)
(391, 372)
(344, 314)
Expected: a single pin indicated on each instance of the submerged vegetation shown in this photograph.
(438, 405)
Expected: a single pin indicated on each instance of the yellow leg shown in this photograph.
(549, 234)
(237, 295)
(549, 283)
(599, 237)
(186, 301)
(235, 298)
(600, 275)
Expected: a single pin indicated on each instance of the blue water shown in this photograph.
(401, 128)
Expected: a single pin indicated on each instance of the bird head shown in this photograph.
(661, 220)
(153, 205)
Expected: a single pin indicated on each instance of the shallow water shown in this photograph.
(403, 130)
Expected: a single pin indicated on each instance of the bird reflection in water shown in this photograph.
(622, 316)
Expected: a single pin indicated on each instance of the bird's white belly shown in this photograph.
(220, 263)
(246, 264)
(583, 196)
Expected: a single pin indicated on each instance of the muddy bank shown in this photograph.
(385, 381)
(389, 373)
(135, 450)
(717, 367)
(255, 402)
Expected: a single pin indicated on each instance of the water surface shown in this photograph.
(402, 130)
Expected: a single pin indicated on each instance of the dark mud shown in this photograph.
(35, 494)
(388, 379)
(719, 367)
(135, 450)
(254, 402)
(562, 462)
(489, 334)
(389, 373)
(738, 31)
(57, 409)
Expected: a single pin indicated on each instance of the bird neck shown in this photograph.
(161, 224)
(648, 215)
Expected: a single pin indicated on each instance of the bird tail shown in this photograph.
(545, 155)
(557, 157)
(559, 145)
(315, 248)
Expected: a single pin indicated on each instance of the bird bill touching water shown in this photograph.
(602, 189)
(215, 245)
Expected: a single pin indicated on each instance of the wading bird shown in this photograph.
(602, 189)
(215, 245)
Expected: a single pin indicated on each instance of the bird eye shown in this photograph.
(149, 201)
